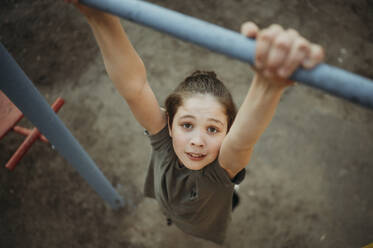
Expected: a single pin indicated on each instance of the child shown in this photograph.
(200, 147)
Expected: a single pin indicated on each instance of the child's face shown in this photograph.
(198, 130)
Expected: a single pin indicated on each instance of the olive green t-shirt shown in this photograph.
(199, 202)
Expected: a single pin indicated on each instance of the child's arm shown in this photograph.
(125, 68)
(278, 54)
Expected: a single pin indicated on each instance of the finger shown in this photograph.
(280, 48)
(263, 44)
(315, 56)
(249, 29)
(299, 51)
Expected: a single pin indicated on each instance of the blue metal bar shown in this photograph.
(21, 91)
(325, 77)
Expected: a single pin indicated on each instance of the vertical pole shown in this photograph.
(21, 91)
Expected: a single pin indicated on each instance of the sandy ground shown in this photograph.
(309, 183)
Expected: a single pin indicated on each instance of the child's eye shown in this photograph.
(187, 125)
(212, 130)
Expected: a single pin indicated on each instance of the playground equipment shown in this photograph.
(10, 115)
(328, 78)
(20, 90)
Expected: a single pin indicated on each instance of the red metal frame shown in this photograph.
(9, 116)
(27, 132)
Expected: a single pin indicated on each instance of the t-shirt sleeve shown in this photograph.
(239, 177)
(159, 140)
(219, 175)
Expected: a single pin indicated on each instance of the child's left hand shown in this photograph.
(280, 52)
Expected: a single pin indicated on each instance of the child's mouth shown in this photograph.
(195, 156)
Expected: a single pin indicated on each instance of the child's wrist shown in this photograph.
(271, 86)
(99, 18)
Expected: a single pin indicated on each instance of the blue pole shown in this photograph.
(325, 77)
(21, 91)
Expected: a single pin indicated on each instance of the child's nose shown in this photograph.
(197, 141)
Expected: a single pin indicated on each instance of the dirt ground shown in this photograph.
(310, 180)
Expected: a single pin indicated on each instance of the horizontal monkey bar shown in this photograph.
(328, 78)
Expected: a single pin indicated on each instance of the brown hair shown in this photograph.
(201, 82)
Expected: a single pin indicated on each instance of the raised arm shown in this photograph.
(125, 67)
(278, 54)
